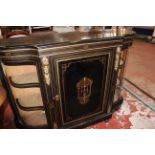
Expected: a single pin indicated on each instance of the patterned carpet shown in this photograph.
(133, 114)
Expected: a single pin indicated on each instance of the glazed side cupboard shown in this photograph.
(68, 80)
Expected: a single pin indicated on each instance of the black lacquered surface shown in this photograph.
(93, 69)
(56, 39)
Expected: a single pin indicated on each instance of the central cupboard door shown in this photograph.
(83, 84)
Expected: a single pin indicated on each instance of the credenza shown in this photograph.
(64, 80)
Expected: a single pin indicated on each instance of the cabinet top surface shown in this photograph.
(56, 39)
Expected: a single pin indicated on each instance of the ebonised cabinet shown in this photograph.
(67, 80)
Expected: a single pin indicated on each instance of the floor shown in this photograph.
(141, 66)
(135, 113)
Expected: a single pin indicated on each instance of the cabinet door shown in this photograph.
(83, 86)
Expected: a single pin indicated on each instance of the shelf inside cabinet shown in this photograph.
(33, 118)
(25, 80)
(30, 103)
